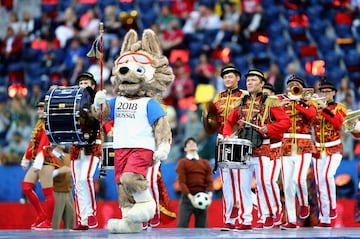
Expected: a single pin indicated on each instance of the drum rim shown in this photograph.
(236, 140)
(107, 144)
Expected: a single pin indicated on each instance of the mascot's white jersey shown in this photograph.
(133, 120)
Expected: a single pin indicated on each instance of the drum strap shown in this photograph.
(248, 132)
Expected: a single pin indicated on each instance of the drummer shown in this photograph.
(84, 162)
(224, 102)
(258, 119)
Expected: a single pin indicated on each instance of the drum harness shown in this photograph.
(247, 132)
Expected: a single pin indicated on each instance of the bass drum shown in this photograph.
(66, 114)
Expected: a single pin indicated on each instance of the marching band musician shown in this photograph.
(297, 150)
(258, 119)
(42, 168)
(84, 162)
(275, 166)
(224, 102)
(329, 149)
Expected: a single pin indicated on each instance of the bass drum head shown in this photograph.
(67, 116)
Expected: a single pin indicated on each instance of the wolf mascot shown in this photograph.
(141, 131)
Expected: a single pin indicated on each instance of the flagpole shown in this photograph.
(101, 63)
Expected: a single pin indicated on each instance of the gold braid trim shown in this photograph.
(34, 139)
(341, 106)
(167, 212)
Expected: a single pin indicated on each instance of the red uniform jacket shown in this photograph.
(269, 114)
(328, 124)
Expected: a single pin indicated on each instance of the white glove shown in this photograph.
(192, 200)
(25, 163)
(162, 152)
(100, 99)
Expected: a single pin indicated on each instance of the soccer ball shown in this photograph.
(202, 200)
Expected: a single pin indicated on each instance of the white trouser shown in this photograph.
(275, 166)
(83, 170)
(294, 173)
(261, 167)
(152, 177)
(325, 168)
(231, 194)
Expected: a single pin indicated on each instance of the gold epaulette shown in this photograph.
(272, 101)
(341, 106)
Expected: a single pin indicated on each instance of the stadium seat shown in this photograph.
(279, 47)
(144, 5)
(298, 33)
(148, 18)
(317, 30)
(335, 75)
(258, 50)
(126, 5)
(240, 62)
(276, 31)
(332, 60)
(326, 44)
(352, 62)
(343, 31)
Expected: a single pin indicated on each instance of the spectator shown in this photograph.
(344, 88)
(172, 37)
(195, 175)
(275, 78)
(204, 71)
(4, 120)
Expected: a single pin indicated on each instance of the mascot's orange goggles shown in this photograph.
(134, 56)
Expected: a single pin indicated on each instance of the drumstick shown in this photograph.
(253, 125)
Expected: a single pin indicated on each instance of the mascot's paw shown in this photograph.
(100, 99)
(162, 152)
(142, 211)
(123, 226)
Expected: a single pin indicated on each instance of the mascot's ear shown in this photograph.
(130, 39)
(151, 43)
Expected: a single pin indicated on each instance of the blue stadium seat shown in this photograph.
(144, 5)
(283, 61)
(326, 44)
(195, 49)
(276, 31)
(241, 62)
(126, 6)
(258, 50)
(279, 47)
(31, 55)
(343, 31)
(332, 60)
(317, 30)
(335, 75)
(148, 18)
(298, 33)
(352, 62)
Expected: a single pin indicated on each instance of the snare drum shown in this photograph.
(234, 153)
(108, 155)
(66, 113)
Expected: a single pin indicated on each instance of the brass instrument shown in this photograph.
(295, 91)
(350, 120)
(209, 119)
